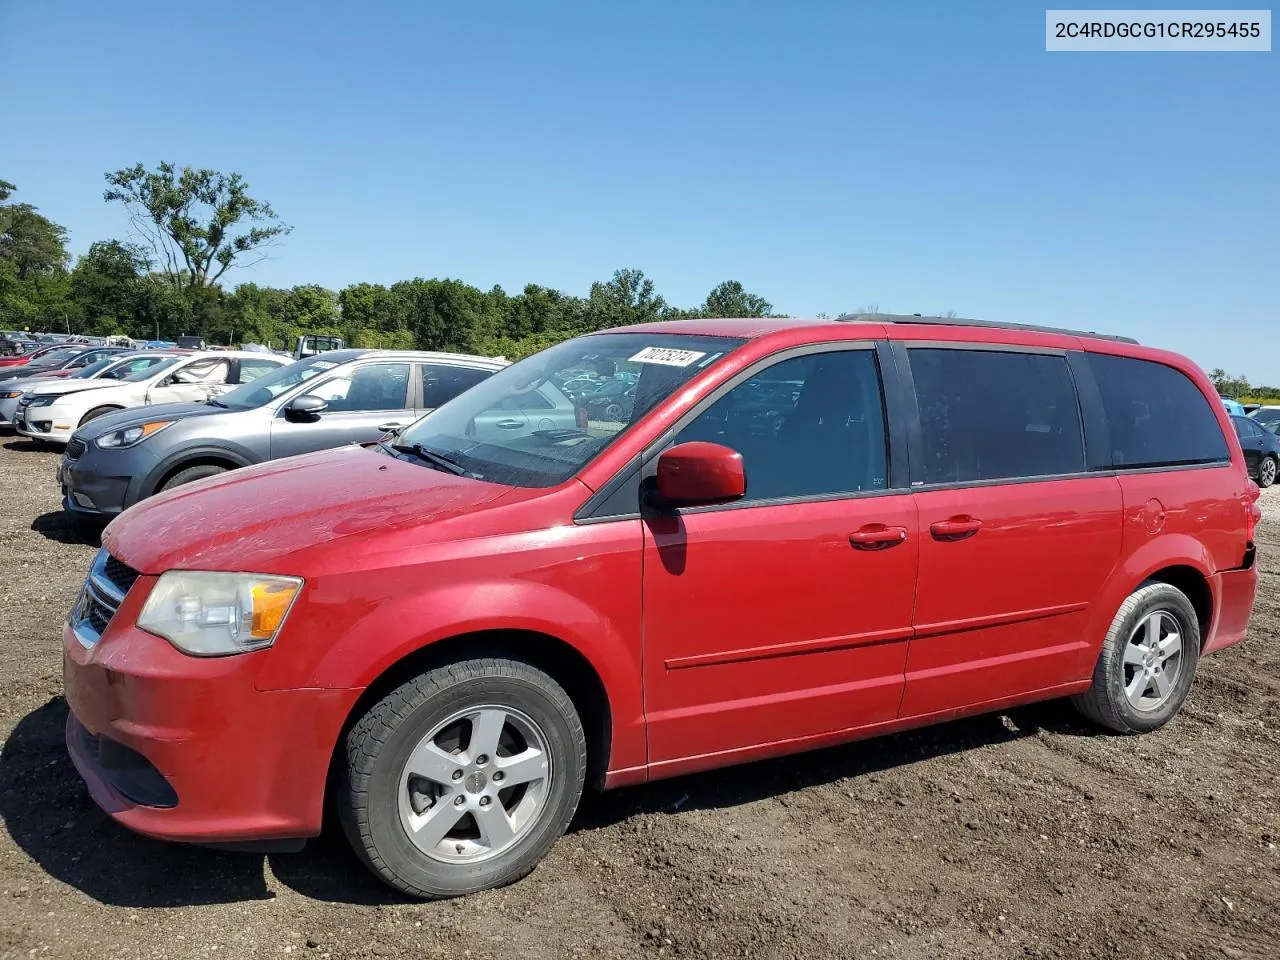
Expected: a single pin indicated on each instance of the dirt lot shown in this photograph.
(1015, 835)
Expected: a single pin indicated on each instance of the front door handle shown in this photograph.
(955, 528)
(509, 424)
(876, 536)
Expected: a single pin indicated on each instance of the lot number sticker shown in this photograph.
(667, 357)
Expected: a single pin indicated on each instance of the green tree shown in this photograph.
(110, 285)
(729, 299)
(628, 297)
(198, 222)
(29, 241)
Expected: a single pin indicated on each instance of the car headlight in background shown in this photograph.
(11, 395)
(217, 614)
(128, 436)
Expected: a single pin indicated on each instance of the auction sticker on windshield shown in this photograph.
(667, 356)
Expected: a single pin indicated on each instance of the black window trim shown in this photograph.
(1111, 467)
(901, 350)
(643, 465)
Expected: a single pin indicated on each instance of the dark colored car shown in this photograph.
(448, 635)
(1261, 449)
(611, 401)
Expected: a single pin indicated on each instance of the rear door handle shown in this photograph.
(509, 424)
(876, 536)
(955, 528)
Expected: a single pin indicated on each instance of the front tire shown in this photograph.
(95, 413)
(191, 474)
(1147, 664)
(1267, 470)
(462, 778)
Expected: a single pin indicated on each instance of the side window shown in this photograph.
(203, 371)
(376, 386)
(532, 400)
(807, 426)
(1246, 428)
(989, 415)
(1156, 416)
(253, 369)
(441, 382)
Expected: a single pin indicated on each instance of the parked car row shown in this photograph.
(794, 534)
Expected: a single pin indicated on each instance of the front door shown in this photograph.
(361, 401)
(1016, 539)
(784, 616)
(193, 382)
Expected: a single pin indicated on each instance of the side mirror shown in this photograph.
(698, 473)
(304, 409)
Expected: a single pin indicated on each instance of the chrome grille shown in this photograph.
(100, 597)
(121, 575)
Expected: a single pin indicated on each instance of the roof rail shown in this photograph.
(961, 322)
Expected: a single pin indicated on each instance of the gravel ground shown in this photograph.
(1023, 834)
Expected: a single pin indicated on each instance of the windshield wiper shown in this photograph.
(217, 403)
(437, 460)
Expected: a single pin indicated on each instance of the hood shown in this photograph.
(30, 383)
(75, 386)
(134, 415)
(13, 373)
(256, 517)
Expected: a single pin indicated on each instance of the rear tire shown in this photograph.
(1147, 664)
(97, 412)
(1267, 471)
(191, 474)
(461, 779)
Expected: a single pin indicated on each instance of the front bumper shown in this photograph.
(103, 482)
(185, 748)
(44, 423)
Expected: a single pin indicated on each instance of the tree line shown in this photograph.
(189, 227)
(1239, 388)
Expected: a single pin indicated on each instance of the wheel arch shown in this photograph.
(1195, 585)
(228, 457)
(560, 660)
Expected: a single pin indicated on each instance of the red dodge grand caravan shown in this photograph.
(775, 535)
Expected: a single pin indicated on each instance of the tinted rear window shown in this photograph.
(990, 415)
(1156, 415)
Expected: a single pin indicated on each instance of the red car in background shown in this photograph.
(799, 533)
(28, 357)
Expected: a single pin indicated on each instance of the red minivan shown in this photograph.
(791, 534)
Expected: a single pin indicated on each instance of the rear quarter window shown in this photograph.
(1156, 415)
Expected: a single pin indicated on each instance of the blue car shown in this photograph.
(1233, 408)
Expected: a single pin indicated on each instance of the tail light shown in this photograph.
(1252, 507)
(580, 415)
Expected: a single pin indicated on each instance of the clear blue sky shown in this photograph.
(831, 155)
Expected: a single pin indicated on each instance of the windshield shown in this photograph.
(54, 358)
(538, 422)
(269, 386)
(1266, 415)
(93, 369)
(144, 373)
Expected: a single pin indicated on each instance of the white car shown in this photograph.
(54, 411)
(117, 366)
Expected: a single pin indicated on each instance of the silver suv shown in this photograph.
(335, 398)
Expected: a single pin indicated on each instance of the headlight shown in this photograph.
(128, 436)
(42, 401)
(11, 395)
(217, 614)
